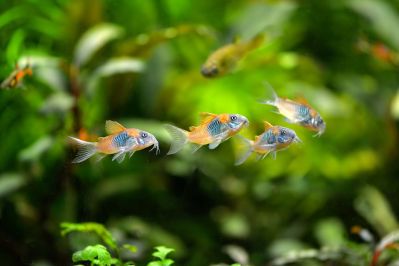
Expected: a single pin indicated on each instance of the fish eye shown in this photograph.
(233, 117)
(143, 135)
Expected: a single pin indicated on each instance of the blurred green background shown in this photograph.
(138, 62)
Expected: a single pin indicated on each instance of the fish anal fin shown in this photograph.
(112, 127)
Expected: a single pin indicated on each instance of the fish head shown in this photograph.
(210, 70)
(318, 124)
(146, 139)
(236, 122)
(287, 136)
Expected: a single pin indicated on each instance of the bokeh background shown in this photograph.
(138, 62)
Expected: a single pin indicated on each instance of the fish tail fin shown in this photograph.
(179, 138)
(270, 90)
(256, 41)
(85, 149)
(245, 150)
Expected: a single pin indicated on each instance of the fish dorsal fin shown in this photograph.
(224, 118)
(267, 125)
(207, 117)
(302, 100)
(192, 128)
(112, 127)
(257, 138)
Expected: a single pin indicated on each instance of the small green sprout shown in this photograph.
(161, 253)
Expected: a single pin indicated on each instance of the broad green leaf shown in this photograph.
(383, 18)
(12, 14)
(155, 263)
(97, 255)
(15, 46)
(375, 208)
(131, 248)
(59, 102)
(34, 151)
(112, 67)
(237, 254)
(93, 40)
(39, 61)
(99, 229)
(395, 106)
(10, 182)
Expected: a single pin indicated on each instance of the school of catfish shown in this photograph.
(212, 130)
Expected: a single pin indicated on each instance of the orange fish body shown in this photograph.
(120, 142)
(212, 130)
(273, 139)
(299, 112)
(15, 78)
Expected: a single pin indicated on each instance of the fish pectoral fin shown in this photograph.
(112, 127)
(131, 153)
(214, 144)
(268, 146)
(119, 156)
(100, 157)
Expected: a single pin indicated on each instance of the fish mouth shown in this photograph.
(320, 130)
(209, 72)
(155, 146)
(297, 139)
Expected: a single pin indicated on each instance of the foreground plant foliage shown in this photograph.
(139, 63)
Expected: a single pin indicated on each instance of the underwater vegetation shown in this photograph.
(296, 101)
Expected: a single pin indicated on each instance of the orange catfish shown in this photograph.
(213, 130)
(120, 141)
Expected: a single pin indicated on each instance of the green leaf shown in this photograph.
(99, 229)
(59, 102)
(115, 66)
(131, 248)
(10, 182)
(97, 255)
(93, 40)
(155, 263)
(382, 16)
(375, 208)
(15, 45)
(34, 151)
(162, 252)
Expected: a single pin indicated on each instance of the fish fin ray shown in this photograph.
(179, 138)
(213, 145)
(274, 98)
(112, 127)
(119, 156)
(196, 147)
(245, 150)
(85, 149)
